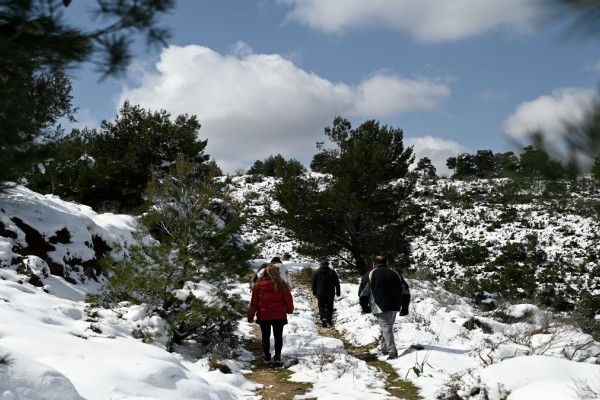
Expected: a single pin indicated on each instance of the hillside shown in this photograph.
(527, 240)
(452, 348)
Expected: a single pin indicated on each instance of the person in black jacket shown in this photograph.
(325, 285)
(380, 293)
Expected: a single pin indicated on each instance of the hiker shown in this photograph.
(271, 302)
(380, 293)
(283, 271)
(325, 285)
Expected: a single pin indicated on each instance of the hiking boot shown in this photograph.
(277, 359)
(267, 357)
(392, 356)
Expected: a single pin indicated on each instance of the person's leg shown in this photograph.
(265, 330)
(278, 335)
(329, 309)
(382, 342)
(386, 323)
(322, 310)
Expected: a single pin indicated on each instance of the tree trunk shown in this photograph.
(360, 263)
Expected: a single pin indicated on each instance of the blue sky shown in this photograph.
(266, 77)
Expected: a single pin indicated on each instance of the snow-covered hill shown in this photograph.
(52, 346)
(476, 230)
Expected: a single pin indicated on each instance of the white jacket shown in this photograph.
(283, 272)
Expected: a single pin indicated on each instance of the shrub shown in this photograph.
(586, 312)
(468, 255)
(182, 274)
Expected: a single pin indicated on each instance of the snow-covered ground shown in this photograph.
(51, 352)
(51, 346)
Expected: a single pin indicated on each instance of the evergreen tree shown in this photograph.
(36, 44)
(320, 160)
(112, 166)
(425, 169)
(184, 274)
(276, 166)
(485, 163)
(533, 161)
(32, 101)
(363, 206)
(507, 164)
(464, 166)
(451, 164)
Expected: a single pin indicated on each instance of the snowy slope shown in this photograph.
(51, 347)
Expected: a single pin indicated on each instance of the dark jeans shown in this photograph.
(325, 308)
(265, 330)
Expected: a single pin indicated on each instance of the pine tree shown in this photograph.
(195, 247)
(425, 168)
(112, 166)
(37, 46)
(362, 206)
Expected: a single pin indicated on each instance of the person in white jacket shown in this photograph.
(283, 271)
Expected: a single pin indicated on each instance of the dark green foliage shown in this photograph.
(197, 229)
(425, 169)
(485, 164)
(532, 163)
(596, 168)
(360, 208)
(536, 163)
(586, 312)
(31, 102)
(516, 264)
(468, 255)
(112, 167)
(36, 44)
(36, 29)
(463, 166)
(199, 215)
(507, 164)
(277, 166)
(320, 160)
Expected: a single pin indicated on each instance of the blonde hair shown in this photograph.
(272, 271)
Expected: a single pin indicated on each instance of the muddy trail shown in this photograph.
(275, 379)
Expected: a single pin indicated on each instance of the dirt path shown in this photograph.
(395, 385)
(275, 380)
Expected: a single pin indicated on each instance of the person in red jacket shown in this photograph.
(271, 302)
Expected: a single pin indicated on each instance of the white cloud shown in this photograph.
(254, 105)
(438, 150)
(548, 114)
(85, 119)
(387, 94)
(426, 21)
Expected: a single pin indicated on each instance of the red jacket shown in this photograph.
(267, 304)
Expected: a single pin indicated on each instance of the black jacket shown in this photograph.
(325, 282)
(386, 290)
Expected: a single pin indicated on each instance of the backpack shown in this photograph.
(404, 293)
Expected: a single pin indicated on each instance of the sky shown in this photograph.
(57, 348)
(266, 77)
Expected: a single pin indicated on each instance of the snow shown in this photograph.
(53, 347)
